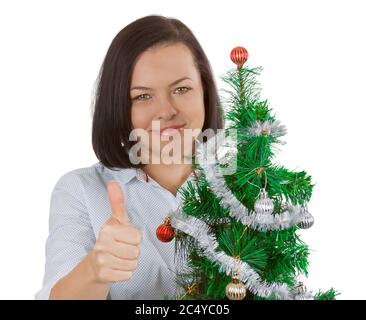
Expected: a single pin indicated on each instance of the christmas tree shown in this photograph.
(238, 232)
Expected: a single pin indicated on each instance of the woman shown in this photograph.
(102, 242)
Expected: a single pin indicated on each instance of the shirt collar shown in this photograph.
(123, 175)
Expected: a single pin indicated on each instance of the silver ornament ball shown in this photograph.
(307, 219)
(299, 291)
(235, 290)
(264, 204)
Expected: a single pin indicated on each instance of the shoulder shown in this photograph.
(84, 190)
(94, 176)
(73, 179)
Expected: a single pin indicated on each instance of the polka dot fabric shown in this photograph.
(79, 207)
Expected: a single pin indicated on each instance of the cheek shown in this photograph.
(195, 111)
(139, 117)
(141, 120)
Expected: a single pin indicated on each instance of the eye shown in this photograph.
(181, 90)
(144, 96)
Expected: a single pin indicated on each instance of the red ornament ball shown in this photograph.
(239, 56)
(165, 231)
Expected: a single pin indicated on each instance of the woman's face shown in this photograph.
(166, 91)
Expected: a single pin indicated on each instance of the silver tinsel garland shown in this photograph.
(273, 128)
(293, 215)
(253, 282)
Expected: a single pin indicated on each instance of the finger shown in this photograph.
(127, 234)
(117, 202)
(113, 262)
(123, 250)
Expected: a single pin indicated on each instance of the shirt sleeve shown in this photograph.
(71, 234)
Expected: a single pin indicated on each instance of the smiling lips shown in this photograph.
(168, 131)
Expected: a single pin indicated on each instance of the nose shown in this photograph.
(166, 109)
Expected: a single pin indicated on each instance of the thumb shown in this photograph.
(117, 202)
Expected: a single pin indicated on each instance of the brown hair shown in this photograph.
(112, 103)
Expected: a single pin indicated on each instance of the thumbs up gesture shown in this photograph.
(116, 252)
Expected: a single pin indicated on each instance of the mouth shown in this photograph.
(169, 131)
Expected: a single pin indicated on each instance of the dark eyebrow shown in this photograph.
(172, 84)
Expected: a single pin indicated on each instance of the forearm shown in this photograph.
(80, 284)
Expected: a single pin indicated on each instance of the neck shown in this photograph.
(169, 176)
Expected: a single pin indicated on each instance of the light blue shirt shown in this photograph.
(80, 206)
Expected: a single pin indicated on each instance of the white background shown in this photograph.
(313, 55)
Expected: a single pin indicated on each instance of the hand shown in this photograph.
(116, 252)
